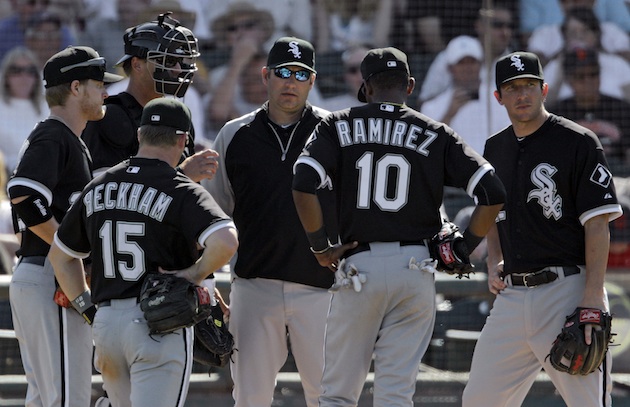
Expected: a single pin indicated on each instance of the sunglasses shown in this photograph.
(18, 70)
(353, 69)
(170, 61)
(285, 73)
(246, 25)
(98, 62)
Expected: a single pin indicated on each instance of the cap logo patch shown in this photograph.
(517, 63)
(155, 118)
(295, 50)
(392, 64)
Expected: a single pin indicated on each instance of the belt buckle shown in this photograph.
(526, 276)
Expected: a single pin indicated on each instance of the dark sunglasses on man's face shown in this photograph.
(18, 70)
(285, 73)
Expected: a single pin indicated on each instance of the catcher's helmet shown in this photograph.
(170, 46)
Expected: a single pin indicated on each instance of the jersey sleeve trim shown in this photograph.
(213, 228)
(69, 251)
(612, 210)
(474, 180)
(38, 187)
(314, 164)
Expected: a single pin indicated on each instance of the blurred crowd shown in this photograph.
(584, 44)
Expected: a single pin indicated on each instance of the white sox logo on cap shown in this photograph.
(294, 49)
(517, 63)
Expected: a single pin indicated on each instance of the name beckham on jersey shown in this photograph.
(384, 131)
(127, 196)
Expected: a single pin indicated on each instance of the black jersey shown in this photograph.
(389, 165)
(253, 185)
(115, 137)
(56, 165)
(556, 179)
(138, 216)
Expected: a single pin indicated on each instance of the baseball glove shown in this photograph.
(170, 303)
(450, 251)
(570, 353)
(214, 344)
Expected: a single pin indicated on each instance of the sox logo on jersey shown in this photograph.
(546, 192)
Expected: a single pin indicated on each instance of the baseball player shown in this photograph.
(159, 60)
(547, 254)
(140, 217)
(278, 287)
(388, 165)
(55, 342)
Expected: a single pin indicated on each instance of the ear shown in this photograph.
(312, 80)
(497, 96)
(136, 63)
(74, 87)
(264, 73)
(545, 89)
(411, 85)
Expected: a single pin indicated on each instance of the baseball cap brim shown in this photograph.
(123, 59)
(523, 77)
(112, 77)
(301, 65)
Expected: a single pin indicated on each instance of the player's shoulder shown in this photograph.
(563, 127)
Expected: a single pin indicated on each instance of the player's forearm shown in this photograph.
(597, 243)
(309, 210)
(495, 255)
(220, 247)
(68, 272)
(46, 231)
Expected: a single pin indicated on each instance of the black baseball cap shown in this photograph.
(518, 65)
(381, 60)
(76, 63)
(167, 112)
(292, 51)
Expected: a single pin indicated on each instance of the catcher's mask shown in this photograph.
(171, 47)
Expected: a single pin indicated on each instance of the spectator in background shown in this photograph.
(104, 32)
(494, 30)
(241, 91)
(344, 23)
(242, 22)
(581, 29)
(606, 116)
(351, 59)
(22, 104)
(466, 106)
(13, 28)
(44, 37)
(538, 13)
(548, 40)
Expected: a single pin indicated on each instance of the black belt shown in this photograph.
(540, 277)
(37, 260)
(362, 247)
(107, 303)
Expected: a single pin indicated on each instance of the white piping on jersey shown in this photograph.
(31, 184)
(325, 180)
(282, 147)
(474, 180)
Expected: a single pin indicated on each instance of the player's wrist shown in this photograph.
(319, 241)
(84, 306)
(471, 240)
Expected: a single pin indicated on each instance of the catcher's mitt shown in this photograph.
(170, 303)
(450, 251)
(214, 344)
(570, 353)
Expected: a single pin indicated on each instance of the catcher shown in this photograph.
(136, 220)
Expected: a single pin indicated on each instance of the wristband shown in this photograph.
(83, 304)
(318, 240)
(471, 240)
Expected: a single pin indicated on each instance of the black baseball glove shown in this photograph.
(170, 303)
(570, 353)
(214, 344)
(448, 248)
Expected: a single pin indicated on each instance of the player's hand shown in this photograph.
(330, 258)
(495, 283)
(201, 165)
